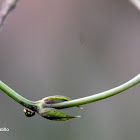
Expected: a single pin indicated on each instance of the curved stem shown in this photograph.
(98, 96)
(33, 105)
(23, 101)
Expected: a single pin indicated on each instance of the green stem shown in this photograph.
(34, 105)
(23, 101)
(98, 96)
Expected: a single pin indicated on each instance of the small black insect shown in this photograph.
(28, 112)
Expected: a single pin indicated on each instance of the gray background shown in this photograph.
(73, 48)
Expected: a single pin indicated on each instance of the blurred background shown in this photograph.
(73, 48)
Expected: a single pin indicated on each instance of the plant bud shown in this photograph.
(53, 114)
(56, 99)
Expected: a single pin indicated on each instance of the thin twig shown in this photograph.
(7, 7)
(136, 3)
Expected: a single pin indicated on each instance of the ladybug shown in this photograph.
(28, 112)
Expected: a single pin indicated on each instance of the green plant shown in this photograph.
(47, 107)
